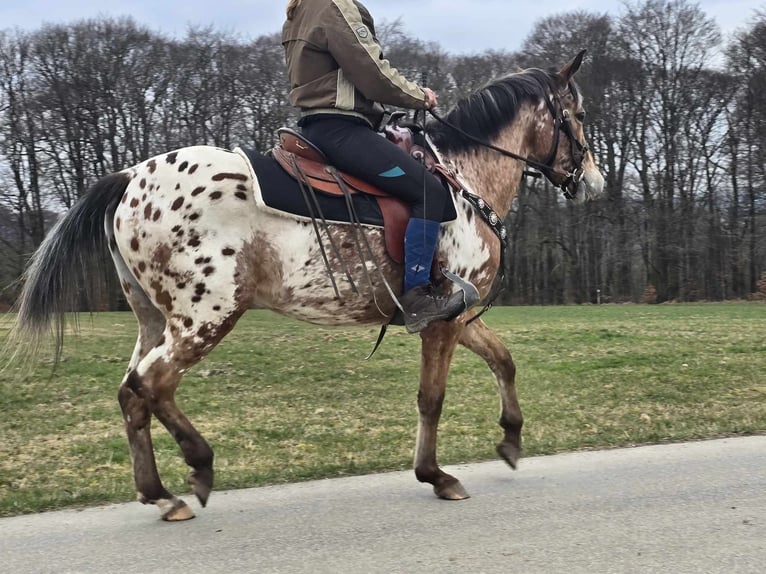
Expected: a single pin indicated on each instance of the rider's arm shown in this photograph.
(355, 48)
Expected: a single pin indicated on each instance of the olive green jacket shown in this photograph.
(335, 64)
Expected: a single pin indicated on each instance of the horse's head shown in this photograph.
(563, 150)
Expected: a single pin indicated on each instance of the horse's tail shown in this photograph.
(53, 278)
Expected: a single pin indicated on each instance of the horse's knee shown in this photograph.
(510, 366)
(430, 404)
(504, 367)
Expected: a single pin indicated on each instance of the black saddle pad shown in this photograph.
(280, 191)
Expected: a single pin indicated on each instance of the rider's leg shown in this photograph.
(353, 147)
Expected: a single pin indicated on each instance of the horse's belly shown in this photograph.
(301, 286)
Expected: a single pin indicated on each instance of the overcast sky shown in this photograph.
(459, 26)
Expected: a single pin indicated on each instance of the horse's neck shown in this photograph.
(493, 176)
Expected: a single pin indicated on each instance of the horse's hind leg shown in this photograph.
(135, 407)
(478, 338)
(157, 376)
(438, 345)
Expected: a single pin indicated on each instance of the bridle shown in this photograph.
(567, 181)
(562, 122)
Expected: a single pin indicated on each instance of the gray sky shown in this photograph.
(458, 25)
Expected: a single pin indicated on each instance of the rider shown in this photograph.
(339, 79)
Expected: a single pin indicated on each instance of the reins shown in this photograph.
(530, 162)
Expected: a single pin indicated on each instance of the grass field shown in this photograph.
(281, 401)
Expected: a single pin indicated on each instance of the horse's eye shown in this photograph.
(580, 115)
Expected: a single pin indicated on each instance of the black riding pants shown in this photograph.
(355, 148)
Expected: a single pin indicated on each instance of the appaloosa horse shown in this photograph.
(194, 249)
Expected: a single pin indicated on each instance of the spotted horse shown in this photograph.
(194, 251)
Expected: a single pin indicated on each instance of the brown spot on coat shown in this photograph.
(216, 195)
(161, 256)
(117, 223)
(142, 183)
(228, 251)
(171, 157)
(240, 195)
(148, 210)
(142, 266)
(188, 322)
(204, 330)
(161, 296)
(235, 176)
(198, 190)
(152, 165)
(157, 214)
(209, 270)
(134, 202)
(183, 166)
(193, 168)
(179, 201)
(134, 244)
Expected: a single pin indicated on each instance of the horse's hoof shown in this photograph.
(178, 510)
(452, 490)
(510, 453)
(201, 481)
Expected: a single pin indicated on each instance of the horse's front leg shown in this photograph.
(478, 338)
(438, 345)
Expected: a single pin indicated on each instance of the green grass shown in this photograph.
(281, 400)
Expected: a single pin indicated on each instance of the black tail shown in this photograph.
(52, 281)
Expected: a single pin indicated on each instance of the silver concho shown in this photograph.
(493, 218)
(481, 203)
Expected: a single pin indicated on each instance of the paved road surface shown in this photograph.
(684, 508)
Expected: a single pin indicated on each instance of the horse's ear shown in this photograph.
(571, 68)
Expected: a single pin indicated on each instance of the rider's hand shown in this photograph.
(431, 98)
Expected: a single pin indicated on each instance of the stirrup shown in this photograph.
(470, 292)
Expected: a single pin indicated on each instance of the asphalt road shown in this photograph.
(683, 508)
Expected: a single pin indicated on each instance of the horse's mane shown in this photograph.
(487, 111)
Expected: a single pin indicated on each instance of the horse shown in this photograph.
(193, 251)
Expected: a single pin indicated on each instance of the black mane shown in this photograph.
(485, 112)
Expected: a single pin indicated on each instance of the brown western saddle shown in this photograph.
(306, 163)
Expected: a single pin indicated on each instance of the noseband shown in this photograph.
(561, 123)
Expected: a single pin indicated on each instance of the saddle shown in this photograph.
(306, 163)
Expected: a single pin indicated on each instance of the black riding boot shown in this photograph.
(421, 303)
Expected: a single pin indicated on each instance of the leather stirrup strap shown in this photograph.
(356, 225)
(302, 184)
